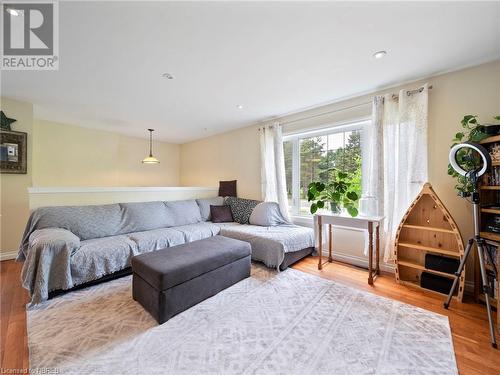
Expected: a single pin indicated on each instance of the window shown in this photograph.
(309, 157)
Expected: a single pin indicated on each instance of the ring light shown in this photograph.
(485, 156)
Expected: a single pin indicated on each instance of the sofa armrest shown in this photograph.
(47, 263)
(57, 237)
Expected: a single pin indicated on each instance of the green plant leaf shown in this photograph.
(314, 208)
(353, 211)
(352, 195)
(320, 204)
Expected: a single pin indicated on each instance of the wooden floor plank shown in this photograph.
(468, 320)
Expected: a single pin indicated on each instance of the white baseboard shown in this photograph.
(359, 261)
(8, 255)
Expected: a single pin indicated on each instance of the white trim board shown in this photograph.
(8, 255)
(78, 196)
(358, 261)
(51, 190)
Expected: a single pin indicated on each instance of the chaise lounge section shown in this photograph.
(69, 246)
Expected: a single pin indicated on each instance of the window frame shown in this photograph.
(361, 124)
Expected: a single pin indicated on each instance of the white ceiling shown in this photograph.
(272, 58)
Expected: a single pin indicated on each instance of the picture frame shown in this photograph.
(13, 152)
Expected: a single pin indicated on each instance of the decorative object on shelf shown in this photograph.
(495, 153)
(427, 228)
(13, 152)
(472, 131)
(478, 162)
(150, 159)
(5, 122)
(338, 194)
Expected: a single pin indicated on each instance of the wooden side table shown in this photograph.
(368, 223)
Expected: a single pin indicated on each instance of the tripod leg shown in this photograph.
(485, 291)
(459, 272)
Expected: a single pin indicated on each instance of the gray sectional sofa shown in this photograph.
(64, 247)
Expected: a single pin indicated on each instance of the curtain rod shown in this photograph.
(410, 92)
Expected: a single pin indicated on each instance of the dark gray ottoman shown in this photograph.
(169, 281)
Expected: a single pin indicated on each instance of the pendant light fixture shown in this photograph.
(150, 159)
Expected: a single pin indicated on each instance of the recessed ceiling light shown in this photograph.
(379, 54)
(167, 76)
(239, 106)
(13, 12)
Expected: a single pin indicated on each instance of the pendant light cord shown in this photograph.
(151, 142)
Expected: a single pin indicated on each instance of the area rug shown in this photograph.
(271, 323)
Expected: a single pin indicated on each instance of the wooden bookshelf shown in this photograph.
(423, 227)
(490, 211)
(426, 228)
(491, 236)
(490, 195)
(493, 139)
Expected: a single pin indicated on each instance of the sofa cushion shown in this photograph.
(86, 222)
(267, 214)
(141, 216)
(101, 256)
(204, 205)
(156, 239)
(241, 208)
(269, 244)
(165, 269)
(182, 212)
(198, 231)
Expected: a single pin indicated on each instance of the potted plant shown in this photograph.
(338, 194)
(473, 132)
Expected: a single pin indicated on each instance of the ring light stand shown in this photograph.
(473, 175)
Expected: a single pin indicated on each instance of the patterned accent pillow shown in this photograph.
(241, 208)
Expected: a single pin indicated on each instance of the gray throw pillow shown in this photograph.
(85, 222)
(182, 212)
(141, 216)
(241, 208)
(205, 204)
(267, 214)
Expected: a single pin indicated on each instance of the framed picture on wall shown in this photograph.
(13, 152)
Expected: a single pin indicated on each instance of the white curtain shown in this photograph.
(272, 170)
(398, 143)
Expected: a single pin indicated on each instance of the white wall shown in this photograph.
(14, 209)
(66, 155)
(235, 155)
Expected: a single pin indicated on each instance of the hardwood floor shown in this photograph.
(468, 320)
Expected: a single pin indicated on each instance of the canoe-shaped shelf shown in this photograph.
(426, 228)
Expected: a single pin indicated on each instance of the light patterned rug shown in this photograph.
(271, 323)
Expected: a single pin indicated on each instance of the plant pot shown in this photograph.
(335, 208)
